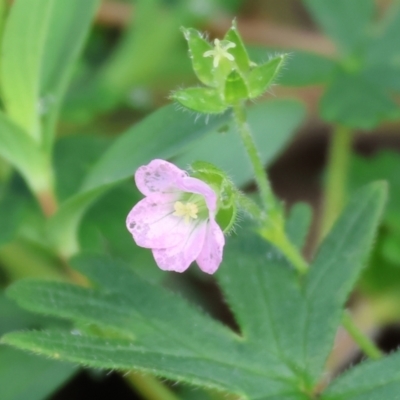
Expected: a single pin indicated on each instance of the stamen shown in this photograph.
(188, 210)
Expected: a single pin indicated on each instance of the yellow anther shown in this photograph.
(188, 210)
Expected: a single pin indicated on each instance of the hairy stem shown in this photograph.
(260, 175)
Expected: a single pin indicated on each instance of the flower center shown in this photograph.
(188, 210)
(220, 51)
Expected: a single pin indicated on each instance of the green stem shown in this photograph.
(365, 344)
(149, 387)
(260, 175)
(337, 170)
(273, 230)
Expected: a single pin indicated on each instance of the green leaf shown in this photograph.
(270, 304)
(202, 66)
(239, 52)
(371, 380)
(203, 100)
(382, 166)
(345, 21)
(272, 123)
(304, 68)
(162, 324)
(39, 47)
(286, 325)
(262, 76)
(11, 214)
(150, 48)
(74, 156)
(383, 274)
(162, 134)
(352, 101)
(336, 268)
(23, 153)
(67, 29)
(26, 376)
(63, 226)
(382, 48)
(298, 223)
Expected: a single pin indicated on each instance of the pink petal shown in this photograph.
(152, 224)
(210, 256)
(194, 185)
(179, 257)
(158, 176)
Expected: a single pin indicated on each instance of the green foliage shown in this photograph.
(360, 91)
(286, 326)
(303, 68)
(23, 153)
(239, 52)
(226, 68)
(346, 21)
(26, 376)
(272, 124)
(39, 50)
(162, 134)
(382, 278)
(355, 102)
(368, 381)
(298, 223)
(22, 375)
(199, 99)
(11, 214)
(261, 77)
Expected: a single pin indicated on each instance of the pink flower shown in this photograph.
(176, 219)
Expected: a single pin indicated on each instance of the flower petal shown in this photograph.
(153, 225)
(158, 176)
(210, 256)
(194, 185)
(179, 257)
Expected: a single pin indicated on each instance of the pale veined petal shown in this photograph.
(158, 176)
(153, 225)
(178, 258)
(210, 256)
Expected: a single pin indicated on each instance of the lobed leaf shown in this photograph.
(371, 380)
(345, 21)
(336, 268)
(352, 101)
(286, 325)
